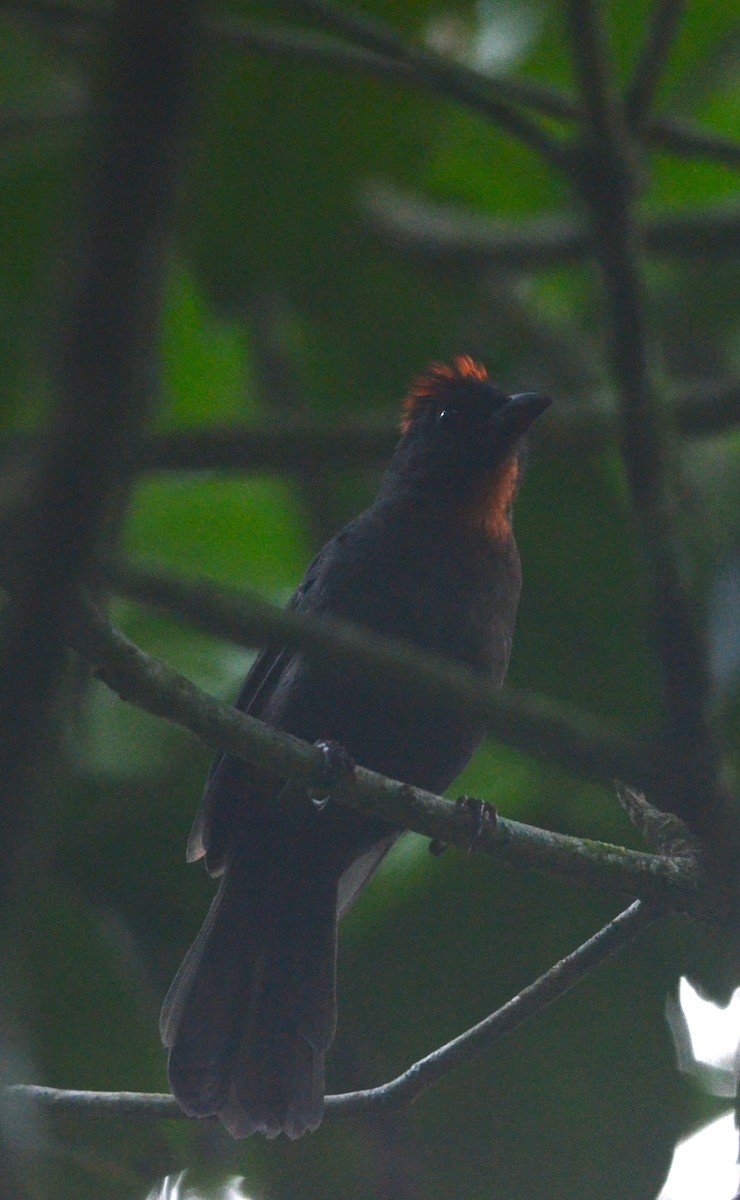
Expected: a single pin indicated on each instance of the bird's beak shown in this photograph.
(517, 413)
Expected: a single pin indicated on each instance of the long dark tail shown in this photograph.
(252, 1010)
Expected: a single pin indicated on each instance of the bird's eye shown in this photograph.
(448, 417)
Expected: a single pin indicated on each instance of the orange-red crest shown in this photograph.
(437, 382)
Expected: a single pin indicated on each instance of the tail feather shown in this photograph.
(179, 989)
(252, 1010)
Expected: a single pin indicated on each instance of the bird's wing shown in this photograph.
(256, 691)
(254, 697)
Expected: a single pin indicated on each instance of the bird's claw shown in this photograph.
(338, 767)
(480, 812)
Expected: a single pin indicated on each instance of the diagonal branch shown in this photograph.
(675, 136)
(555, 983)
(260, 37)
(154, 687)
(450, 79)
(428, 1071)
(683, 138)
(686, 140)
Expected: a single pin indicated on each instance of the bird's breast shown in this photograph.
(454, 596)
(429, 580)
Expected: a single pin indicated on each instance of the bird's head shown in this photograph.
(462, 438)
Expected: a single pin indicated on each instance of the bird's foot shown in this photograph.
(337, 768)
(479, 813)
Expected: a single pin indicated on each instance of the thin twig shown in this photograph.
(103, 380)
(663, 29)
(454, 80)
(665, 831)
(306, 46)
(532, 724)
(604, 176)
(556, 982)
(428, 1071)
(154, 687)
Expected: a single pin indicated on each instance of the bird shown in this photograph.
(433, 562)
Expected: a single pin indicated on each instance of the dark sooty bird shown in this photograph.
(433, 561)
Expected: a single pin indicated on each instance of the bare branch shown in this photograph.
(306, 46)
(678, 137)
(604, 175)
(405, 1088)
(97, 1104)
(530, 1002)
(147, 682)
(665, 22)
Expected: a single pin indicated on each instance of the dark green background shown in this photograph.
(273, 230)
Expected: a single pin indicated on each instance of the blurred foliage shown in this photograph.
(585, 1102)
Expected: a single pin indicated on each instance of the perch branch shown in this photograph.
(156, 688)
